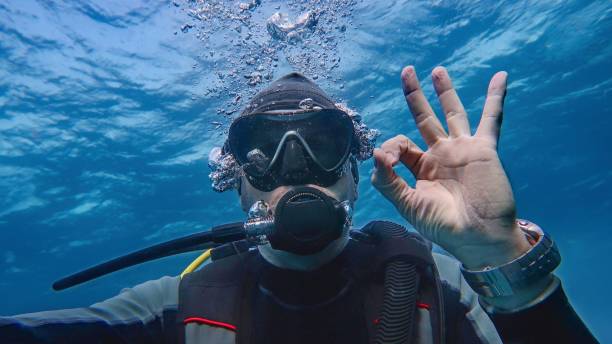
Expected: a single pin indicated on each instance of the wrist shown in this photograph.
(513, 245)
(521, 279)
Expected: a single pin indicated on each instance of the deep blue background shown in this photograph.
(106, 123)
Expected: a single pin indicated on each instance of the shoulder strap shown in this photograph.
(212, 295)
(391, 242)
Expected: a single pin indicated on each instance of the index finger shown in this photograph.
(430, 127)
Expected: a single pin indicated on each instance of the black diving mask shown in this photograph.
(292, 148)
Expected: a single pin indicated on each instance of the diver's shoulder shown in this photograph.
(165, 290)
(157, 294)
(160, 284)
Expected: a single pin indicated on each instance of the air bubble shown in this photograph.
(249, 51)
(185, 28)
(258, 159)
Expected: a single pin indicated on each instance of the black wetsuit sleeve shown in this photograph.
(143, 314)
(469, 319)
(553, 320)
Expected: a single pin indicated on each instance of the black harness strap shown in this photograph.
(212, 295)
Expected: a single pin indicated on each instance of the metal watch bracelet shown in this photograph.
(533, 265)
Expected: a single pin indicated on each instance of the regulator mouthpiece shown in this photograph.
(305, 221)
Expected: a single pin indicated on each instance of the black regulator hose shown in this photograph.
(193, 242)
(401, 285)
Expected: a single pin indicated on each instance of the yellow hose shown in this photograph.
(196, 262)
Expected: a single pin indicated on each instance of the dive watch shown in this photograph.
(530, 267)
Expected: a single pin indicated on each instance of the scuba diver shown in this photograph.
(301, 274)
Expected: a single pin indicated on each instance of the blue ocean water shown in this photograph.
(108, 110)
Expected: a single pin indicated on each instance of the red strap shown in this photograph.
(209, 322)
(422, 305)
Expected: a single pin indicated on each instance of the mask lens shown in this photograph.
(254, 139)
(252, 144)
(329, 140)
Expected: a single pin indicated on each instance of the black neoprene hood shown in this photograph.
(286, 93)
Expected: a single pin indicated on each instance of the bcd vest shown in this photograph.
(215, 306)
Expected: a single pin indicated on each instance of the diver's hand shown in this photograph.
(462, 199)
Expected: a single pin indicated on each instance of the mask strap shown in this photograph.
(354, 169)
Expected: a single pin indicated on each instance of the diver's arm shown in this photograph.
(549, 318)
(462, 199)
(470, 318)
(145, 313)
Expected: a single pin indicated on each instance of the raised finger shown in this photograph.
(430, 127)
(456, 118)
(492, 114)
